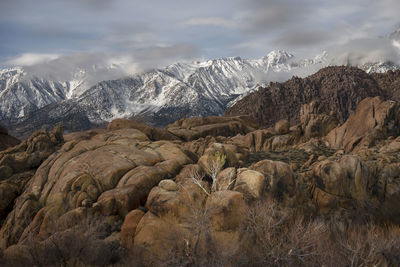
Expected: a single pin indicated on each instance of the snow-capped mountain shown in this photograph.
(23, 92)
(384, 66)
(20, 96)
(158, 96)
(395, 35)
(187, 89)
(379, 67)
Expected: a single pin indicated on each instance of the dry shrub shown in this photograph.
(276, 236)
(270, 236)
(273, 237)
(189, 242)
(370, 245)
(83, 245)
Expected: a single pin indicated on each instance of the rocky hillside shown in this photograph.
(214, 191)
(337, 89)
(6, 140)
(158, 96)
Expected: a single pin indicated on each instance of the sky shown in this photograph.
(153, 33)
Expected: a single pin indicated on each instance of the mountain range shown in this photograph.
(157, 96)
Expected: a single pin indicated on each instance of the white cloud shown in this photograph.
(29, 59)
(396, 44)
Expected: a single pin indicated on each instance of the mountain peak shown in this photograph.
(277, 57)
(395, 35)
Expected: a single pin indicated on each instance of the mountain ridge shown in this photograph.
(338, 88)
(157, 96)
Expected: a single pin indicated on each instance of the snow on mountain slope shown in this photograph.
(161, 96)
(380, 67)
(20, 96)
(23, 92)
(199, 88)
(395, 35)
(158, 96)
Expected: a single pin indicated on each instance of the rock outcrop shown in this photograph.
(206, 182)
(152, 133)
(374, 119)
(6, 140)
(111, 173)
(314, 123)
(338, 89)
(194, 128)
(279, 175)
(31, 153)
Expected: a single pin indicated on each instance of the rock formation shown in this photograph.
(6, 140)
(373, 119)
(193, 187)
(337, 89)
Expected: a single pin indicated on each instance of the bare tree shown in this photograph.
(215, 164)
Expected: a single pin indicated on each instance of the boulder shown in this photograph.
(152, 133)
(374, 119)
(178, 201)
(226, 179)
(282, 127)
(168, 185)
(109, 173)
(226, 210)
(254, 141)
(250, 183)
(199, 146)
(314, 123)
(194, 128)
(279, 175)
(349, 178)
(129, 226)
(31, 153)
(389, 191)
(155, 239)
(234, 156)
(161, 201)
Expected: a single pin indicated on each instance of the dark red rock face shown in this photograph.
(338, 89)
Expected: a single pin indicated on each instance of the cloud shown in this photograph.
(302, 37)
(29, 59)
(101, 66)
(133, 31)
(263, 16)
(94, 4)
(210, 21)
(364, 50)
(396, 44)
(312, 24)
